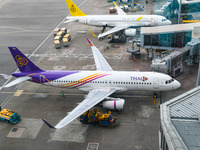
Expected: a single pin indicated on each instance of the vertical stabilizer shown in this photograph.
(73, 9)
(23, 63)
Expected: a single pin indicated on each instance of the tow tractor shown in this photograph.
(96, 118)
(9, 116)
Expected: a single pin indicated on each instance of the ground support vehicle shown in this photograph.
(9, 116)
(96, 118)
(66, 40)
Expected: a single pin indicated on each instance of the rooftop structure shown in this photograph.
(180, 122)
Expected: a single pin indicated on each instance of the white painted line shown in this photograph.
(6, 101)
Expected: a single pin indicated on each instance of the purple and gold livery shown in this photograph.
(100, 83)
(83, 79)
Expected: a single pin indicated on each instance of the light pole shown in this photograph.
(179, 12)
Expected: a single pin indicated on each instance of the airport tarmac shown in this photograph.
(29, 25)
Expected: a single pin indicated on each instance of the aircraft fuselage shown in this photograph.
(87, 80)
(121, 20)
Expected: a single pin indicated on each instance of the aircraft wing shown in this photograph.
(94, 97)
(113, 30)
(17, 81)
(101, 63)
(119, 10)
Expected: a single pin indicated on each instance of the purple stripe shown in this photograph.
(50, 75)
(115, 105)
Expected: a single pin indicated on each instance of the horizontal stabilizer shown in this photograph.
(5, 76)
(49, 125)
(68, 21)
(17, 81)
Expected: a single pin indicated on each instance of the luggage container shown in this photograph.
(59, 38)
(55, 31)
(60, 33)
(57, 44)
(65, 42)
(64, 30)
(68, 36)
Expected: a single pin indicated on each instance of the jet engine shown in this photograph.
(130, 32)
(113, 103)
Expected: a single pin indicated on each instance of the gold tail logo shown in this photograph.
(73, 9)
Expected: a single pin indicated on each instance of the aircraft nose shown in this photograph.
(177, 84)
(169, 22)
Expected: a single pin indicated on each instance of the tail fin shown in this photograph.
(74, 10)
(23, 63)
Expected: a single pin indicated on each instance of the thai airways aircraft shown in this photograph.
(122, 21)
(100, 83)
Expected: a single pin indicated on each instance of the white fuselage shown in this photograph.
(122, 20)
(122, 80)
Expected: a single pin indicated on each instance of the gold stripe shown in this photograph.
(83, 79)
(138, 19)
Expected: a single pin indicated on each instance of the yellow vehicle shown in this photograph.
(57, 44)
(55, 31)
(60, 33)
(66, 40)
(68, 36)
(64, 30)
(9, 116)
(95, 117)
(58, 37)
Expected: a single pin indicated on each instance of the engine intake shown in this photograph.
(130, 32)
(114, 103)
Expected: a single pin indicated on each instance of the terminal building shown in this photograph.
(180, 122)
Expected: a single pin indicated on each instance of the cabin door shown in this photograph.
(156, 83)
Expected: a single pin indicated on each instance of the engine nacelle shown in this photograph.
(130, 32)
(114, 103)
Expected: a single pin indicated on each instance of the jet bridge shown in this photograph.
(170, 37)
(172, 63)
(169, 9)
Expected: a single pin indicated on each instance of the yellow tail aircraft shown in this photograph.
(122, 21)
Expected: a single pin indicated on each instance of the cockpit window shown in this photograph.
(164, 19)
(169, 81)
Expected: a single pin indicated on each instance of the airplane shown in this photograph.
(100, 83)
(119, 22)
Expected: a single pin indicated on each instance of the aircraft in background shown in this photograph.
(119, 22)
(100, 83)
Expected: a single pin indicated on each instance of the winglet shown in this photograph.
(89, 42)
(49, 125)
(115, 4)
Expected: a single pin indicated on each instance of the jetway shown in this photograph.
(172, 63)
(171, 8)
(170, 37)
